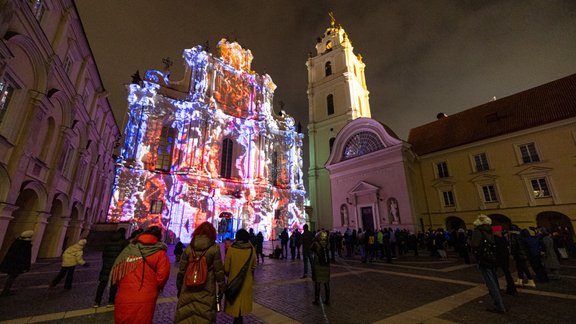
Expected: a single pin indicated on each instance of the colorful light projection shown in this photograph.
(209, 148)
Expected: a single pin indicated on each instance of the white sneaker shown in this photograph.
(530, 283)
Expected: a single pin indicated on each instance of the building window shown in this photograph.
(67, 64)
(529, 153)
(331, 143)
(489, 193)
(156, 206)
(328, 68)
(38, 8)
(6, 91)
(448, 198)
(274, 167)
(360, 144)
(481, 162)
(330, 104)
(226, 159)
(442, 168)
(165, 148)
(540, 188)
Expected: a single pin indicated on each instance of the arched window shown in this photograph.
(165, 148)
(332, 139)
(330, 104)
(328, 68)
(360, 144)
(226, 159)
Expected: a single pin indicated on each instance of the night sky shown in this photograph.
(422, 57)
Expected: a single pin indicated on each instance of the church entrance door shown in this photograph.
(367, 218)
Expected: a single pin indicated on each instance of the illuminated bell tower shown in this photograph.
(337, 94)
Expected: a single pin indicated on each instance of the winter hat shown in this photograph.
(27, 235)
(82, 242)
(482, 220)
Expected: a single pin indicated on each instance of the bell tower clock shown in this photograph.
(337, 94)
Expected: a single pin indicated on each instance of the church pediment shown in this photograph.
(363, 187)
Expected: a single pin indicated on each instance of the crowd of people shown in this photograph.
(137, 269)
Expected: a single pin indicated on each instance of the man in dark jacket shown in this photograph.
(17, 260)
(484, 249)
(307, 238)
(284, 243)
(111, 250)
(503, 258)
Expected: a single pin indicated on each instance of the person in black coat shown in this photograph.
(17, 260)
(503, 258)
(112, 249)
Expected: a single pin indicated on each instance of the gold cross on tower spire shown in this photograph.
(332, 19)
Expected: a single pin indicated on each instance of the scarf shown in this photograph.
(132, 257)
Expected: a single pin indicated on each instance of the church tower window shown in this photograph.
(330, 104)
(328, 68)
(274, 168)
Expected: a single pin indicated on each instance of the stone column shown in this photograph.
(6, 217)
(40, 219)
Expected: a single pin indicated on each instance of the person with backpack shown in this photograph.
(198, 298)
(141, 272)
(484, 249)
(321, 266)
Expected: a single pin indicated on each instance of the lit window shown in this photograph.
(67, 64)
(38, 9)
(360, 144)
(442, 168)
(328, 68)
(330, 104)
(165, 147)
(540, 188)
(226, 159)
(529, 153)
(481, 162)
(6, 91)
(448, 198)
(489, 193)
(156, 206)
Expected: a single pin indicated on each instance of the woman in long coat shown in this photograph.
(235, 259)
(321, 266)
(141, 271)
(198, 304)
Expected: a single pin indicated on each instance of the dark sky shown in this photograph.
(422, 57)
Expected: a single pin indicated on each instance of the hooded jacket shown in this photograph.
(138, 289)
(74, 255)
(198, 304)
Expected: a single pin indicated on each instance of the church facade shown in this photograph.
(210, 148)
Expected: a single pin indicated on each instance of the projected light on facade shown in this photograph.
(210, 148)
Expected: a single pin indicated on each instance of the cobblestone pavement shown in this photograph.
(411, 290)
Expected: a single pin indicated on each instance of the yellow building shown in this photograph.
(513, 159)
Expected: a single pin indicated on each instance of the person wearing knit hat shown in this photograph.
(17, 260)
(484, 248)
(72, 256)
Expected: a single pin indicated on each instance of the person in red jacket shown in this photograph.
(140, 271)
